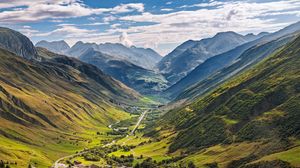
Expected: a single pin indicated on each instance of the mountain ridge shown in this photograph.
(216, 63)
(190, 54)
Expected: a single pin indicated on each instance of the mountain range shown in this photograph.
(234, 102)
(216, 63)
(190, 54)
(251, 120)
(60, 47)
(131, 65)
(143, 80)
(146, 58)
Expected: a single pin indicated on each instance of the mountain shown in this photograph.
(55, 106)
(17, 43)
(218, 62)
(60, 47)
(142, 80)
(146, 58)
(79, 48)
(249, 58)
(190, 54)
(252, 120)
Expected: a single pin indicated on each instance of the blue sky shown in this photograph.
(158, 24)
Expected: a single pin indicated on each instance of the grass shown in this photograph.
(292, 156)
(156, 149)
(102, 161)
(222, 154)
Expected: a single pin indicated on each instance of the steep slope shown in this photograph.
(255, 115)
(17, 43)
(249, 58)
(190, 54)
(60, 47)
(218, 62)
(54, 107)
(146, 58)
(143, 80)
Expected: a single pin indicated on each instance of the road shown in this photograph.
(60, 165)
(139, 121)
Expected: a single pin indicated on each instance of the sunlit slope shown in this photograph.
(260, 105)
(52, 106)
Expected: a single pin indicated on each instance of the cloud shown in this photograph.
(151, 29)
(166, 9)
(203, 5)
(231, 14)
(96, 24)
(124, 8)
(123, 39)
(37, 10)
(239, 16)
(109, 18)
(115, 25)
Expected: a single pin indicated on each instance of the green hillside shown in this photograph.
(50, 109)
(247, 120)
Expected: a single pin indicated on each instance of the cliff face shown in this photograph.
(17, 43)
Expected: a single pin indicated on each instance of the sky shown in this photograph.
(157, 24)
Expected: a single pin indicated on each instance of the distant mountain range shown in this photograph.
(142, 80)
(60, 47)
(130, 65)
(190, 54)
(216, 63)
(146, 58)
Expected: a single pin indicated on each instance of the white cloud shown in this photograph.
(56, 9)
(165, 29)
(114, 26)
(96, 24)
(124, 8)
(166, 9)
(239, 16)
(109, 18)
(123, 39)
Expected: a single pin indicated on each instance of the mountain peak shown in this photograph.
(17, 43)
(59, 47)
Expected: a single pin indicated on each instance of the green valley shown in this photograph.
(150, 84)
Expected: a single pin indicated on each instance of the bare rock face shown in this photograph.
(17, 43)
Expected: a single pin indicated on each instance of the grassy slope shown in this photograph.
(259, 106)
(49, 110)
